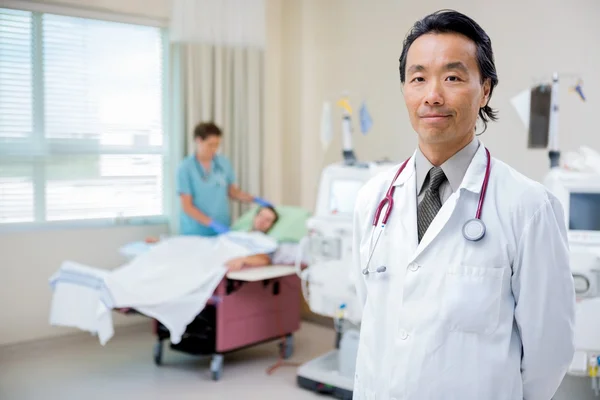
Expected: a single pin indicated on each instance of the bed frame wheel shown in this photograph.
(216, 367)
(158, 352)
(287, 347)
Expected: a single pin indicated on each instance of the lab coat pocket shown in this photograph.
(472, 298)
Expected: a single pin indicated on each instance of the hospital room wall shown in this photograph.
(353, 45)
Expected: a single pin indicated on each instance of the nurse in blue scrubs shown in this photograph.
(205, 184)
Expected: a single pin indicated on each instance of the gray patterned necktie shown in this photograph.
(431, 203)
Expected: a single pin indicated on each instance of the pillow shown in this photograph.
(291, 226)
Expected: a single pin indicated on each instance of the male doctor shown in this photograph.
(448, 315)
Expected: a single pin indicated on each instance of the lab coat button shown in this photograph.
(413, 267)
(403, 334)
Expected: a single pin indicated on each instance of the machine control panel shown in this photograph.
(326, 247)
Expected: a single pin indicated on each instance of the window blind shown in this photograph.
(86, 98)
(15, 74)
(102, 82)
(16, 115)
(103, 186)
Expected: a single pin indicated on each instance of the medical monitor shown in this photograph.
(339, 186)
(342, 195)
(579, 194)
(584, 211)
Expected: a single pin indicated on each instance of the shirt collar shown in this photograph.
(214, 163)
(454, 168)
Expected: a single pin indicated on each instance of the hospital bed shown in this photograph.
(248, 307)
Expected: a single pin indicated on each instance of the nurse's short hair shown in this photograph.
(450, 21)
(205, 129)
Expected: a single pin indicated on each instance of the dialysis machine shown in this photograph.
(578, 190)
(579, 193)
(326, 283)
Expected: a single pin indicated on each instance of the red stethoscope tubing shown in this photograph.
(389, 196)
(486, 179)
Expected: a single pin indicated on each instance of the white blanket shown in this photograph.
(171, 282)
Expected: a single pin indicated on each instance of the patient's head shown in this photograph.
(264, 219)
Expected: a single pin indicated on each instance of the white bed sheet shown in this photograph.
(171, 282)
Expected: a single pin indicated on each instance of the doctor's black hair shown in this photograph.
(450, 21)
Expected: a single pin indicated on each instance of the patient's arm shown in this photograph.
(257, 260)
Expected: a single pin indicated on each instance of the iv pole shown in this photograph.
(553, 150)
(347, 149)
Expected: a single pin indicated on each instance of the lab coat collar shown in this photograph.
(408, 172)
(475, 174)
(471, 182)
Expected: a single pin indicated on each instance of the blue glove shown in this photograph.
(262, 202)
(218, 227)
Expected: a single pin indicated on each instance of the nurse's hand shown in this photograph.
(262, 202)
(218, 227)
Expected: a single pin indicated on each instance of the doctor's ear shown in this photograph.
(487, 90)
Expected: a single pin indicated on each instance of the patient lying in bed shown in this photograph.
(264, 220)
(170, 281)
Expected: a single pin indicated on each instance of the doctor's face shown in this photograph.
(443, 89)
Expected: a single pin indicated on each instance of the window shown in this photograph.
(81, 119)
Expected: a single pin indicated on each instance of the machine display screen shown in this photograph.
(343, 195)
(584, 212)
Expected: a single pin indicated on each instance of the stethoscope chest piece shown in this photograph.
(474, 229)
(379, 270)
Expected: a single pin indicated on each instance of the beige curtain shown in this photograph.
(218, 76)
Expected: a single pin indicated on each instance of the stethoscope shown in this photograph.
(217, 171)
(473, 229)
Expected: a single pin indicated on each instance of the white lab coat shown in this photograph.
(452, 319)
